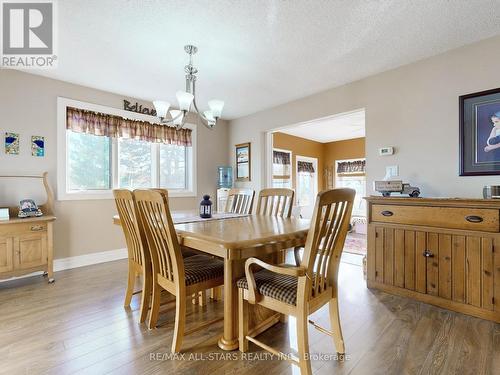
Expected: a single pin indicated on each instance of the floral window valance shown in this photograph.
(356, 166)
(280, 157)
(83, 121)
(305, 167)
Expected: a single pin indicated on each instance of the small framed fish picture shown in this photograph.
(12, 143)
(37, 146)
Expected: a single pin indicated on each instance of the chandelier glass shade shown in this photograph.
(187, 100)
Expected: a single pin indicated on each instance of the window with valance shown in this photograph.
(351, 174)
(106, 148)
(282, 168)
(282, 164)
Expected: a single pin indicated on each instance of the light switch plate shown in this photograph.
(392, 171)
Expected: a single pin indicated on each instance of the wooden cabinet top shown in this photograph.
(16, 220)
(436, 202)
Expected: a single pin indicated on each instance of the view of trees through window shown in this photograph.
(134, 163)
(173, 166)
(90, 163)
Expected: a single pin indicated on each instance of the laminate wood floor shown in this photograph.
(79, 325)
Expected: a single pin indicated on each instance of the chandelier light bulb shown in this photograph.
(216, 107)
(185, 99)
(161, 108)
(174, 113)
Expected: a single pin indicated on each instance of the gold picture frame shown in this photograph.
(243, 162)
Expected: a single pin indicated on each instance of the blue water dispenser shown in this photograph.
(225, 177)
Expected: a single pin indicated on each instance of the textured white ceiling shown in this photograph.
(255, 54)
(335, 128)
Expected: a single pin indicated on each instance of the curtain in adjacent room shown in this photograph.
(305, 167)
(356, 166)
(281, 164)
(89, 122)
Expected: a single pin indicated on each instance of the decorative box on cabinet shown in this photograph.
(26, 245)
(445, 252)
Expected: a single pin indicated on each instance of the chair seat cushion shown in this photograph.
(280, 287)
(200, 268)
(188, 252)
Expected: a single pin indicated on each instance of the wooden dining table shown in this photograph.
(235, 239)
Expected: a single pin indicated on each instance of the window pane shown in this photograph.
(357, 183)
(305, 188)
(173, 166)
(134, 163)
(88, 162)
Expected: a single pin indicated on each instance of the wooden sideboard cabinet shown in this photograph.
(445, 252)
(26, 245)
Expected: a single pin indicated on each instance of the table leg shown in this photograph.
(229, 340)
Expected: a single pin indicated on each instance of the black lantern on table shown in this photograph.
(206, 207)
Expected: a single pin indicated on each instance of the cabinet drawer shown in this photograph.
(22, 228)
(481, 219)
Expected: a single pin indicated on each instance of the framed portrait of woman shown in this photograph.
(480, 133)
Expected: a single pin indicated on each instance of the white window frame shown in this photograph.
(62, 186)
(314, 162)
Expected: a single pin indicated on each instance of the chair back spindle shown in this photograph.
(326, 239)
(275, 202)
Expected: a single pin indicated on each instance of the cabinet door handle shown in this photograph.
(428, 254)
(387, 213)
(474, 219)
(36, 228)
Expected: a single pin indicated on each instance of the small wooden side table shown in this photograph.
(27, 245)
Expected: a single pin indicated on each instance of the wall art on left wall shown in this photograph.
(12, 143)
(37, 146)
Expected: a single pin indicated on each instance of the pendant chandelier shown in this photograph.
(187, 99)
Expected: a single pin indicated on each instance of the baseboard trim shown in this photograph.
(89, 259)
(80, 261)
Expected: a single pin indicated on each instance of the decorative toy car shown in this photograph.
(28, 208)
(396, 186)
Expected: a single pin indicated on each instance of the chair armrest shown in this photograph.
(253, 295)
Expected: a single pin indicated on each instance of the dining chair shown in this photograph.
(181, 277)
(275, 202)
(301, 290)
(139, 261)
(240, 201)
(199, 299)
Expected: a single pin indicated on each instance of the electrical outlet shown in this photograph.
(391, 171)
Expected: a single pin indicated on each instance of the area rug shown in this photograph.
(355, 243)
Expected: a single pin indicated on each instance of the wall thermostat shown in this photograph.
(386, 151)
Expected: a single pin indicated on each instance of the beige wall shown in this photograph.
(28, 105)
(302, 147)
(413, 108)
